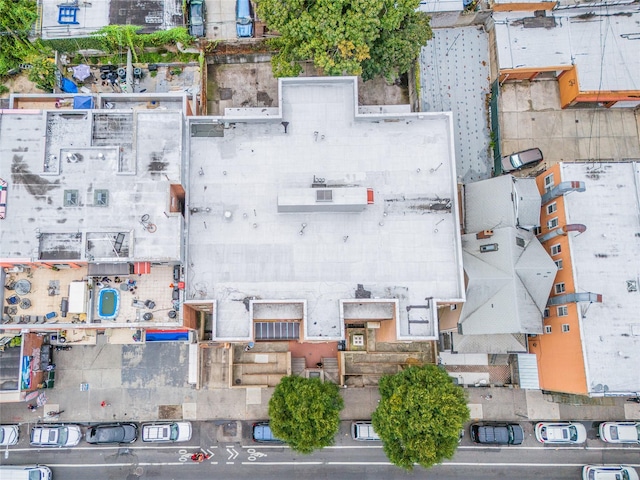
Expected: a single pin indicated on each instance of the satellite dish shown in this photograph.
(597, 388)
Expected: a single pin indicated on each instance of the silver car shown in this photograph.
(166, 432)
(56, 436)
(9, 434)
(620, 432)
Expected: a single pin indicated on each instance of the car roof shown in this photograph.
(262, 431)
(493, 434)
(45, 434)
(627, 431)
(109, 432)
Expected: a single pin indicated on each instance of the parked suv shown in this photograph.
(55, 436)
(497, 434)
(363, 431)
(262, 433)
(520, 160)
(166, 432)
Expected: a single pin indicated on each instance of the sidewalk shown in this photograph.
(148, 382)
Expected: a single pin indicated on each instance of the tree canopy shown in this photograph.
(420, 416)
(16, 19)
(346, 37)
(305, 413)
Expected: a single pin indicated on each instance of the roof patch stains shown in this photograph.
(35, 184)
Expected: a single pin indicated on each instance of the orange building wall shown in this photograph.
(559, 354)
(569, 86)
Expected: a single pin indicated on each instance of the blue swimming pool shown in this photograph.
(108, 301)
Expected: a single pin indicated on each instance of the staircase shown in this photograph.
(331, 372)
(298, 366)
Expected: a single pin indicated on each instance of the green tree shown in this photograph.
(420, 415)
(346, 37)
(16, 19)
(305, 412)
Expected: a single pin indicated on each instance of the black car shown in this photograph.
(497, 434)
(112, 433)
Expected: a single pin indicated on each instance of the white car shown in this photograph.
(56, 436)
(620, 432)
(560, 432)
(608, 472)
(9, 435)
(166, 432)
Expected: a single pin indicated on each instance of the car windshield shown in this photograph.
(63, 434)
(174, 431)
(244, 21)
(196, 14)
(614, 432)
(573, 432)
(515, 161)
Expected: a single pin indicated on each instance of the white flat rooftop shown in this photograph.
(602, 41)
(605, 258)
(405, 245)
(79, 178)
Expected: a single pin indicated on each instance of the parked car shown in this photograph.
(261, 432)
(560, 432)
(166, 432)
(620, 432)
(112, 433)
(244, 22)
(56, 436)
(520, 160)
(363, 431)
(25, 472)
(497, 434)
(608, 472)
(9, 435)
(197, 18)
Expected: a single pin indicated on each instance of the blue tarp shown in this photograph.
(68, 86)
(83, 101)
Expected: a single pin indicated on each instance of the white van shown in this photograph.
(363, 431)
(25, 472)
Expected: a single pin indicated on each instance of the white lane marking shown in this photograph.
(92, 465)
(282, 463)
(555, 447)
(109, 447)
(233, 453)
(552, 465)
(448, 464)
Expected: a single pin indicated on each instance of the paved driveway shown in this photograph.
(530, 116)
(221, 19)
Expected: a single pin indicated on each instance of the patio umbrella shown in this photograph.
(81, 72)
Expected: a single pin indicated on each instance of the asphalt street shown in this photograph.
(346, 460)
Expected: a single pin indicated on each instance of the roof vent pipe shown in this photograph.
(574, 227)
(574, 298)
(561, 189)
